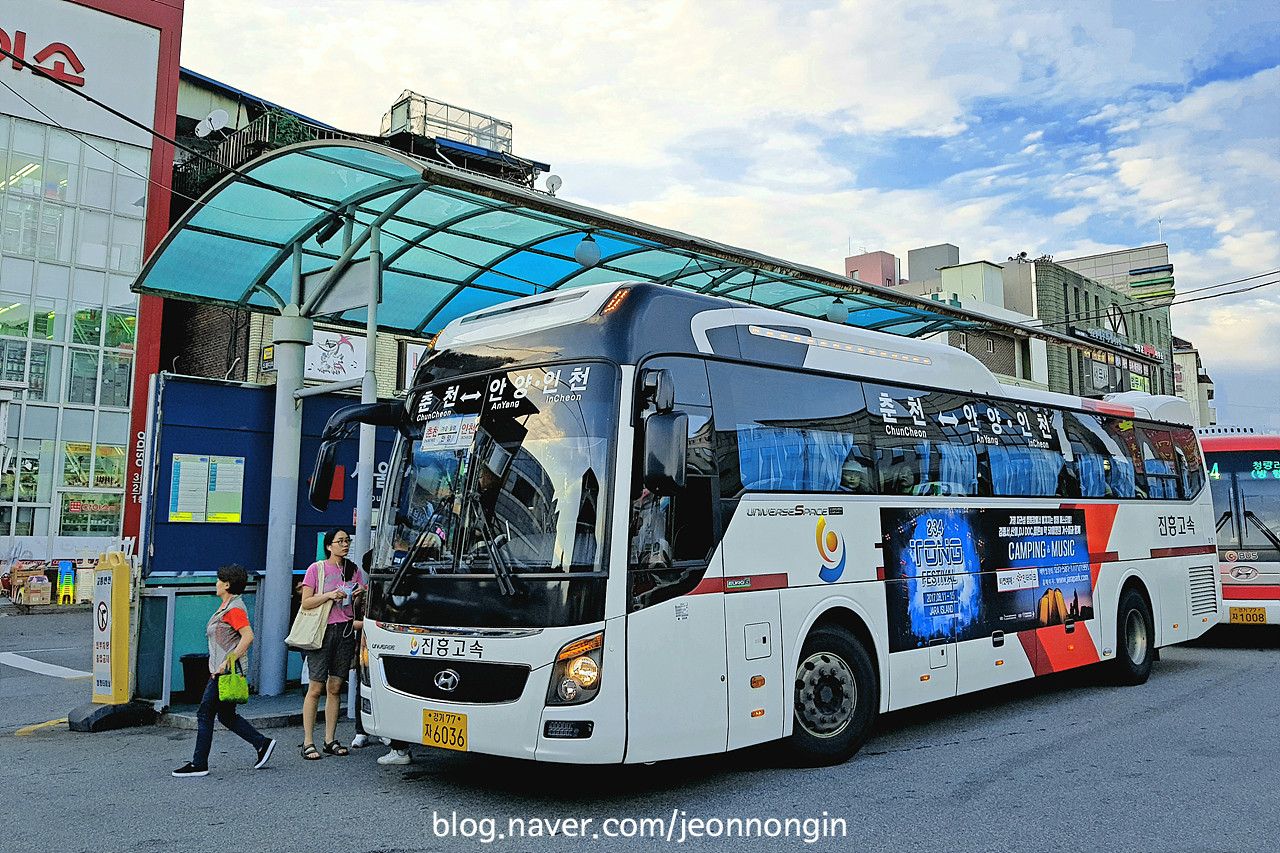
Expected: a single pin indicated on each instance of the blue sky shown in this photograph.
(801, 129)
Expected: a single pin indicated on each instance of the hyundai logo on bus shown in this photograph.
(447, 680)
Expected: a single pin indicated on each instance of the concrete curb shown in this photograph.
(46, 609)
(185, 718)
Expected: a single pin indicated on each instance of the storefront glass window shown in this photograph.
(120, 329)
(108, 472)
(13, 360)
(15, 316)
(87, 326)
(115, 380)
(82, 379)
(77, 464)
(8, 480)
(45, 379)
(31, 521)
(89, 514)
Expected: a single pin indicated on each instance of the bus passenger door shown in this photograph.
(676, 702)
(757, 689)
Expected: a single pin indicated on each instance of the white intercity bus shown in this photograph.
(628, 523)
(1244, 479)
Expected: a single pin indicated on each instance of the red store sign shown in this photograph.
(57, 53)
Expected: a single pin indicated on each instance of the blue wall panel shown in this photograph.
(213, 418)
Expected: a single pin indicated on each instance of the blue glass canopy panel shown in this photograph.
(452, 242)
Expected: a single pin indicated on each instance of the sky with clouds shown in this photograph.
(805, 129)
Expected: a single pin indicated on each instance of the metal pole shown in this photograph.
(368, 434)
(368, 394)
(291, 334)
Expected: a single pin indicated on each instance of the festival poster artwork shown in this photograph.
(964, 573)
(931, 568)
(1039, 567)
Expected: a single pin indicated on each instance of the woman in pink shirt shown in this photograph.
(336, 579)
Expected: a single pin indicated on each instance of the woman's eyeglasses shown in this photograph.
(341, 541)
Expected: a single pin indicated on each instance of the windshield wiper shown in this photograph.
(502, 573)
(1262, 528)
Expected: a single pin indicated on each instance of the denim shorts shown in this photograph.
(333, 658)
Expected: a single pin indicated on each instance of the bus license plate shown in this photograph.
(445, 730)
(1248, 615)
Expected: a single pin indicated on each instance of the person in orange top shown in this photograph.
(229, 635)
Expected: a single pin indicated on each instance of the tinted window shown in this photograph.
(927, 443)
(1160, 464)
(1190, 460)
(789, 432)
(1025, 457)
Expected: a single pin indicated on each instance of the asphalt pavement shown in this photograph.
(1186, 762)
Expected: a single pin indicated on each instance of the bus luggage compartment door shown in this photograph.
(756, 686)
(676, 703)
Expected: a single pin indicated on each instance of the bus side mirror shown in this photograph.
(666, 442)
(322, 475)
(340, 425)
(659, 388)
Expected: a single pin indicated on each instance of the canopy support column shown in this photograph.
(291, 335)
(368, 394)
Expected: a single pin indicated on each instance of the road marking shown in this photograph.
(40, 667)
(29, 729)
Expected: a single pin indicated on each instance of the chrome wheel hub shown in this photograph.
(826, 694)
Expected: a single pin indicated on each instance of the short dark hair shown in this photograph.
(235, 576)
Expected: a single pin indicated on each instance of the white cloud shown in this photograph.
(723, 120)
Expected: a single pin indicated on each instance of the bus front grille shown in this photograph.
(473, 681)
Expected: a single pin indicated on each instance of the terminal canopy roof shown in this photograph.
(453, 242)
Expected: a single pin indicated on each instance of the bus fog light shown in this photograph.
(571, 729)
(568, 690)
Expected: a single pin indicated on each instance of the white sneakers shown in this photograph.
(363, 740)
(396, 756)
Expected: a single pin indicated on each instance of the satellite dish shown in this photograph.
(216, 120)
(553, 183)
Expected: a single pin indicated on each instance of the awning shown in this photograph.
(453, 242)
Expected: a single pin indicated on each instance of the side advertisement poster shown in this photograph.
(959, 574)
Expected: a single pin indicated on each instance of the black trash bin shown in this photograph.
(195, 675)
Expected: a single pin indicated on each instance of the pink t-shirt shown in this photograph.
(333, 579)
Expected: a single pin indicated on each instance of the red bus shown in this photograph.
(1244, 478)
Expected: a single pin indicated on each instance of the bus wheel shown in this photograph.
(1135, 639)
(836, 697)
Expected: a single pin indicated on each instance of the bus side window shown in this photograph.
(785, 431)
(1160, 464)
(672, 536)
(1190, 460)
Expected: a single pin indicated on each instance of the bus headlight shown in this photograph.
(575, 678)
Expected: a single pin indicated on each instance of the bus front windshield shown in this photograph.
(1246, 500)
(501, 478)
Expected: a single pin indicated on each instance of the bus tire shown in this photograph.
(1135, 639)
(836, 698)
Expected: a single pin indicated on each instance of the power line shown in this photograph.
(1134, 310)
